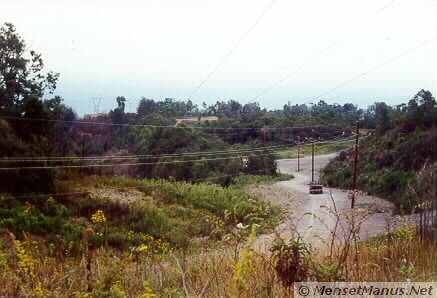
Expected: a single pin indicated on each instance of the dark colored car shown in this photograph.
(315, 187)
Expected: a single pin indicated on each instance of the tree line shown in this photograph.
(27, 91)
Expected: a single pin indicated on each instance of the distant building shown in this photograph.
(195, 119)
(96, 116)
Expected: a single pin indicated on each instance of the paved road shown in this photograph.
(314, 220)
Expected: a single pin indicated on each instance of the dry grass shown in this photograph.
(29, 268)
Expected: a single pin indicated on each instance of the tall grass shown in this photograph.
(209, 274)
(152, 266)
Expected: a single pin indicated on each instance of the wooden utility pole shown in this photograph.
(312, 156)
(298, 158)
(354, 181)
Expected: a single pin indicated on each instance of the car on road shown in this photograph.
(315, 187)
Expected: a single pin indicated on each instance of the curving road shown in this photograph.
(314, 217)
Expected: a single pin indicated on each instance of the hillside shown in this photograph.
(119, 210)
(169, 197)
(395, 165)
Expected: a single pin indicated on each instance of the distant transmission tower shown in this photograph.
(97, 101)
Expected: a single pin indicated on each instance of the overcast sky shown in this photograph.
(166, 48)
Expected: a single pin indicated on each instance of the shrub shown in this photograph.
(291, 260)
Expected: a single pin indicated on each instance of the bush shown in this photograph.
(291, 261)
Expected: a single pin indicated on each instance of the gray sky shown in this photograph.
(165, 48)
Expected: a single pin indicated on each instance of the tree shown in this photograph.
(422, 108)
(251, 108)
(262, 163)
(147, 106)
(121, 102)
(22, 73)
(382, 117)
(235, 108)
(117, 115)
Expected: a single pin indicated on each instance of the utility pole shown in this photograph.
(312, 156)
(354, 182)
(97, 101)
(298, 158)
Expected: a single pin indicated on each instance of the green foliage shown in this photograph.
(173, 211)
(244, 268)
(328, 273)
(388, 163)
(263, 163)
(41, 216)
(291, 260)
(147, 106)
(21, 74)
(259, 179)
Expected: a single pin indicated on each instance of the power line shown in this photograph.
(94, 158)
(147, 156)
(223, 60)
(322, 52)
(325, 140)
(339, 142)
(378, 66)
(159, 126)
(127, 164)
(273, 149)
(331, 143)
(135, 187)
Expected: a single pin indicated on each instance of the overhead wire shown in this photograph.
(332, 138)
(113, 157)
(136, 187)
(191, 180)
(223, 60)
(346, 140)
(203, 82)
(322, 52)
(273, 151)
(124, 164)
(374, 68)
(144, 156)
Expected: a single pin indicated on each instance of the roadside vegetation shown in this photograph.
(154, 268)
(175, 220)
(398, 161)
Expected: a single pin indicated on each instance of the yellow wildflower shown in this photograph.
(148, 291)
(98, 217)
(143, 248)
(25, 261)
